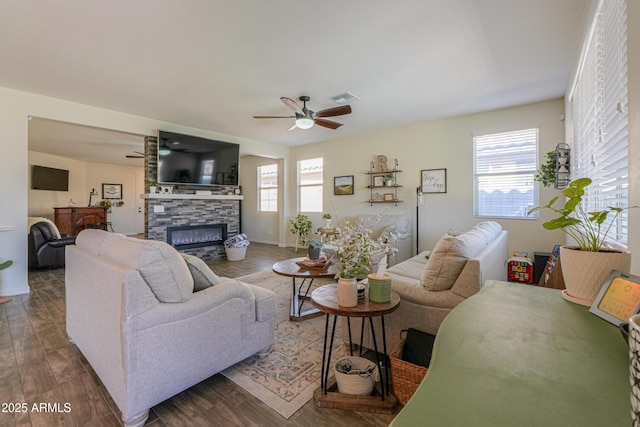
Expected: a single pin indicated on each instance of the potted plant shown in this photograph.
(152, 186)
(327, 219)
(352, 260)
(4, 266)
(300, 226)
(586, 266)
(388, 179)
(547, 173)
(315, 246)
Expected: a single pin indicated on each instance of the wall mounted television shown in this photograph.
(186, 159)
(45, 178)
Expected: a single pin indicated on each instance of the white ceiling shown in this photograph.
(213, 64)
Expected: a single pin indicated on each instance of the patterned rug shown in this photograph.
(286, 378)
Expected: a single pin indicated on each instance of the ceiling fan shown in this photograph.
(306, 118)
(138, 155)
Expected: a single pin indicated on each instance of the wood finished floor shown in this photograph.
(38, 364)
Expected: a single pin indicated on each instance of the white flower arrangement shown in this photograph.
(354, 247)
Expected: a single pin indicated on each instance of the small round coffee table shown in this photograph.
(289, 268)
(325, 298)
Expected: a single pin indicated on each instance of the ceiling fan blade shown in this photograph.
(292, 104)
(327, 123)
(129, 156)
(335, 111)
(140, 153)
(293, 127)
(274, 117)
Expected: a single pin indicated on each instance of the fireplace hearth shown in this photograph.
(196, 236)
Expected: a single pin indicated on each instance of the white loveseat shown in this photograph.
(432, 283)
(132, 312)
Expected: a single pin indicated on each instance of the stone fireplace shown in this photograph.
(184, 212)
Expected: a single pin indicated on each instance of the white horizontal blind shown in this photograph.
(600, 117)
(268, 188)
(504, 166)
(310, 182)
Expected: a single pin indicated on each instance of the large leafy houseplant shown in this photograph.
(586, 266)
(588, 229)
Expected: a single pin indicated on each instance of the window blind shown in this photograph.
(504, 166)
(268, 188)
(600, 117)
(310, 184)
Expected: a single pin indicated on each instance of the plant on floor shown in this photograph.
(6, 264)
(301, 227)
(588, 229)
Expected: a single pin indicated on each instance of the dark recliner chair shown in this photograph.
(45, 249)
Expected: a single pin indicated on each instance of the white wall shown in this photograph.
(433, 145)
(260, 227)
(122, 218)
(15, 108)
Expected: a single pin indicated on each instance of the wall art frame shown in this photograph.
(111, 191)
(433, 180)
(343, 185)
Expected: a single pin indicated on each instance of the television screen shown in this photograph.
(44, 178)
(185, 159)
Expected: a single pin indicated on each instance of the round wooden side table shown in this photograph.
(289, 268)
(325, 299)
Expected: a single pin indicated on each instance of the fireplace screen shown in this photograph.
(197, 235)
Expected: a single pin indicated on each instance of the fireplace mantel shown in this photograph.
(191, 196)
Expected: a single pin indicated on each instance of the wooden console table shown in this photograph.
(72, 220)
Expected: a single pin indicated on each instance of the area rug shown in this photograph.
(286, 378)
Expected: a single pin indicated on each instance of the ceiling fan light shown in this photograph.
(304, 122)
(164, 151)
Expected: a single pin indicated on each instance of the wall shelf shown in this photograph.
(376, 179)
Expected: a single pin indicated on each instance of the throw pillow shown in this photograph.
(448, 258)
(203, 277)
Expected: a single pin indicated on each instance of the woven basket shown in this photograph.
(236, 254)
(406, 376)
(358, 384)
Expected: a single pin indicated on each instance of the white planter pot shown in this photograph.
(585, 272)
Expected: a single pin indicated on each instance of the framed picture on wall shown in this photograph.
(434, 180)
(112, 191)
(343, 185)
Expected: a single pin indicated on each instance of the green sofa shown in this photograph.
(519, 355)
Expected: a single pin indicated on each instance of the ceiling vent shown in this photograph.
(344, 98)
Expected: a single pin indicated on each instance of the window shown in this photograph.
(268, 188)
(600, 119)
(310, 185)
(505, 164)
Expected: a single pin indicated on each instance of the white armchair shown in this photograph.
(132, 312)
